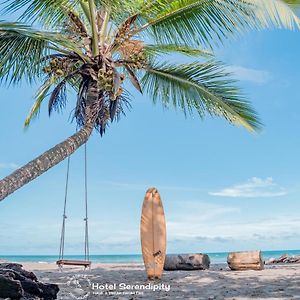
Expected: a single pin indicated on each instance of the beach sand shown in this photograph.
(275, 282)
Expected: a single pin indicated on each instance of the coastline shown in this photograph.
(215, 257)
(274, 282)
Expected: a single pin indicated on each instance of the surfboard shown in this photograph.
(153, 234)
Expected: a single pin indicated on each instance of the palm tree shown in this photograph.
(98, 47)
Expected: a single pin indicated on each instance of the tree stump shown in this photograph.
(248, 260)
(196, 261)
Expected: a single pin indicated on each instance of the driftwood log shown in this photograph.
(284, 259)
(249, 260)
(197, 261)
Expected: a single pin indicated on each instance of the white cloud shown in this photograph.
(192, 226)
(230, 228)
(247, 74)
(11, 166)
(253, 188)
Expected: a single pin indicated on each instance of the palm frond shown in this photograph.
(49, 13)
(58, 97)
(79, 111)
(61, 42)
(293, 3)
(117, 107)
(156, 49)
(22, 50)
(133, 78)
(203, 22)
(201, 87)
(120, 10)
(274, 12)
(40, 96)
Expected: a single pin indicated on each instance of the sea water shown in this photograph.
(216, 257)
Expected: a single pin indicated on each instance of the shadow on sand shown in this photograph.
(275, 282)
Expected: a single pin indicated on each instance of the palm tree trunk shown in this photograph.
(55, 155)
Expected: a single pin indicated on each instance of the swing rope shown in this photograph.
(86, 233)
(63, 229)
(86, 242)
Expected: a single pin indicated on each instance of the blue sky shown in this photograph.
(222, 188)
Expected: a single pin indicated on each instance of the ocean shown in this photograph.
(216, 257)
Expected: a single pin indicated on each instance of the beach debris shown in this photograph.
(17, 283)
(196, 261)
(247, 260)
(284, 259)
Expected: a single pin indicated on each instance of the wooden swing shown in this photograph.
(86, 263)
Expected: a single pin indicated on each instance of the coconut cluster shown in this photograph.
(106, 82)
(134, 52)
(106, 79)
(57, 66)
(137, 60)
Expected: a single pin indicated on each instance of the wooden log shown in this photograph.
(284, 259)
(197, 261)
(248, 260)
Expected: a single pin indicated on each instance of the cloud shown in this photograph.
(253, 188)
(192, 226)
(230, 228)
(247, 74)
(11, 166)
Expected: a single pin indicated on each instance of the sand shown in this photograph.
(128, 281)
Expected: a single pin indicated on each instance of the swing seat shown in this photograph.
(68, 262)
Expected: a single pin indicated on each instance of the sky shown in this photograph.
(223, 188)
